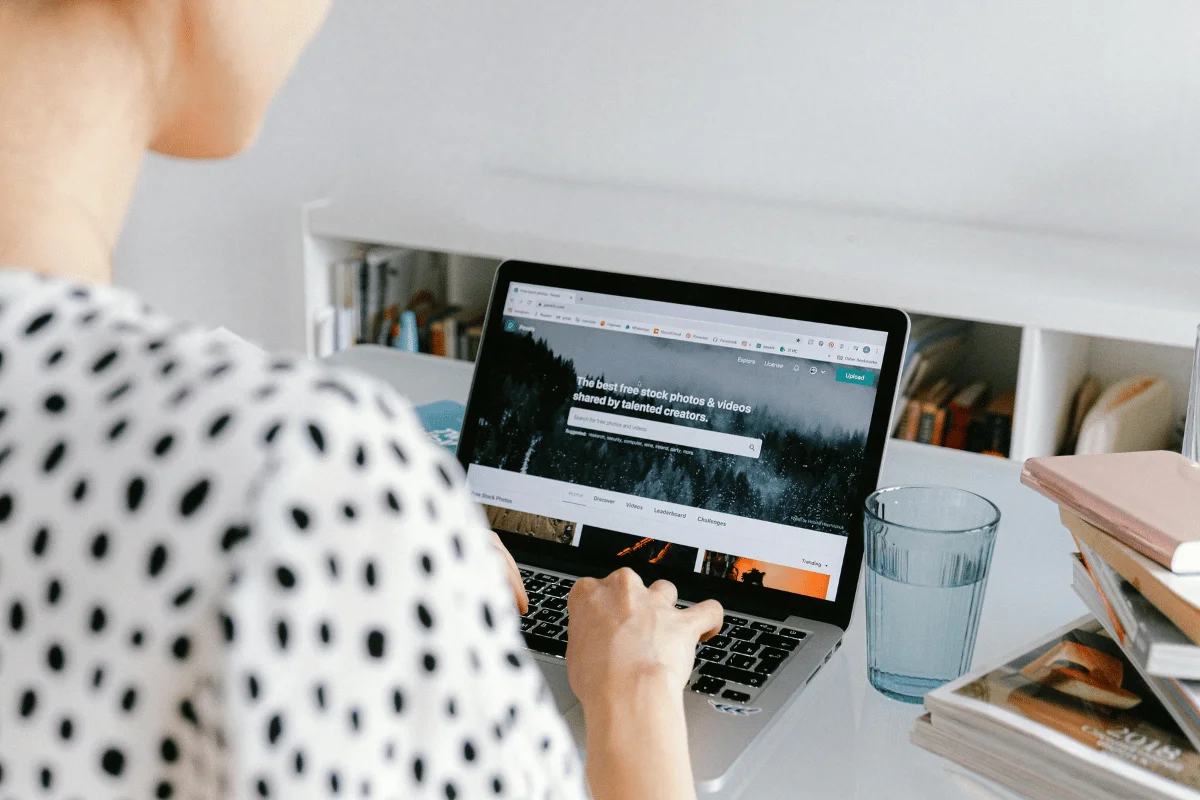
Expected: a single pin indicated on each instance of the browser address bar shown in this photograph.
(664, 432)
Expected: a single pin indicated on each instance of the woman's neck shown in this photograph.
(71, 139)
(46, 229)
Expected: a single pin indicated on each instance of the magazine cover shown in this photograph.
(1077, 691)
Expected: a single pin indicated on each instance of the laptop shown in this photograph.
(723, 439)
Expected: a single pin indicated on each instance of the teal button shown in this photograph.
(863, 377)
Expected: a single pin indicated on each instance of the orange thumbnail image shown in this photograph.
(762, 573)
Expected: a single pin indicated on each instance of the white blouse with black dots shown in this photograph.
(227, 575)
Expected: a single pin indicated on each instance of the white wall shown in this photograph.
(1077, 117)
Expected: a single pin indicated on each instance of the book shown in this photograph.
(442, 421)
(1066, 717)
(1134, 414)
(1150, 639)
(932, 421)
(1081, 403)
(1179, 696)
(909, 419)
(344, 288)
(1176, 596)
(960, 411)
(1150, 501)
(997, 425)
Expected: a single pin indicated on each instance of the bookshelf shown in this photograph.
(1048, 308)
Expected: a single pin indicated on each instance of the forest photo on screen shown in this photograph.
(813, 428)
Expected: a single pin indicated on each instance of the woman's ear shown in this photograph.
(228, 59)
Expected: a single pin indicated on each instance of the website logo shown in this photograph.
(866, 349)
(510, 325)
(601, 323)
(656, 330)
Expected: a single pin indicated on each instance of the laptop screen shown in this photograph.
(725, 444)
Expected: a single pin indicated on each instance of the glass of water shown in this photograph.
(928, 549)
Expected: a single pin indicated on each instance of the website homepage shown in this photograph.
(694, 439)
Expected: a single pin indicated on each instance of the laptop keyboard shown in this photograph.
(732, 665)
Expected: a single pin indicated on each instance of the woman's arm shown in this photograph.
(629, 656)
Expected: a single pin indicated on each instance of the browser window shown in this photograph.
(718, 442)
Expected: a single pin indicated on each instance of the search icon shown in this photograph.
(751, 448)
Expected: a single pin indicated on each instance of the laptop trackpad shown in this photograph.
(556, 678)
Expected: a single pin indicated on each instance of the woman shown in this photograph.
(223, 575)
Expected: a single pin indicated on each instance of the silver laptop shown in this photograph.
(721, 438)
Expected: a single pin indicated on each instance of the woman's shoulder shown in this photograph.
(99, 366)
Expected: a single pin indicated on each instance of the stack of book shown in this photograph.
(371, 290)
(933, 409)
(1108, 707)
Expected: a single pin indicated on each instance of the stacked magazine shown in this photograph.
(1108, 707)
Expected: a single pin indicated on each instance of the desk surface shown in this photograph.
(843, 739)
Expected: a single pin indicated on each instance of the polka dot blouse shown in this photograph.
(229, 575)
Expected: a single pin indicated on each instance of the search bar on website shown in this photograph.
(664, 433)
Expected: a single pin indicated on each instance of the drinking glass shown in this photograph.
(1191, 428)
(928, 549)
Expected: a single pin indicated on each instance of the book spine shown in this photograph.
(925, 426)
(912, 418)
(959, 417)
(437, 338)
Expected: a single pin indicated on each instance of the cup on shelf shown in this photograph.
(928, 551)
(1191, 428)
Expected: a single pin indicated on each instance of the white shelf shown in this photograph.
(1089, 286)
(1052, 308)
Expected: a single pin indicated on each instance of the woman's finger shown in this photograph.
(665, 591)
(514, 575)
(705, 618)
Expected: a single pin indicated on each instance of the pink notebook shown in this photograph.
(1150, 501)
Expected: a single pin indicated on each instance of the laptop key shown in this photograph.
(774, 640)
(548, 615)
(745, 648)
(742, 633)
(734, 620)
(740, 661)
(728, 673)
(528, 624)
(555, 603)
(767, 666)
(544, 644)
(567, 582)
(771, 653)
(763, 626)
(534, 597)
(708, 685)
(711, 654)
(541, 576)
(526, 574)
(792, 633)
(735, 695)
(548, 629)
(557, 590)
(535, 585)
(721, 642)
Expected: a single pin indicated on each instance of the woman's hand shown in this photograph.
(629, 654)
(513, 574)
(620, 630)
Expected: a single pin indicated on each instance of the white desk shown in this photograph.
(843, 739)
